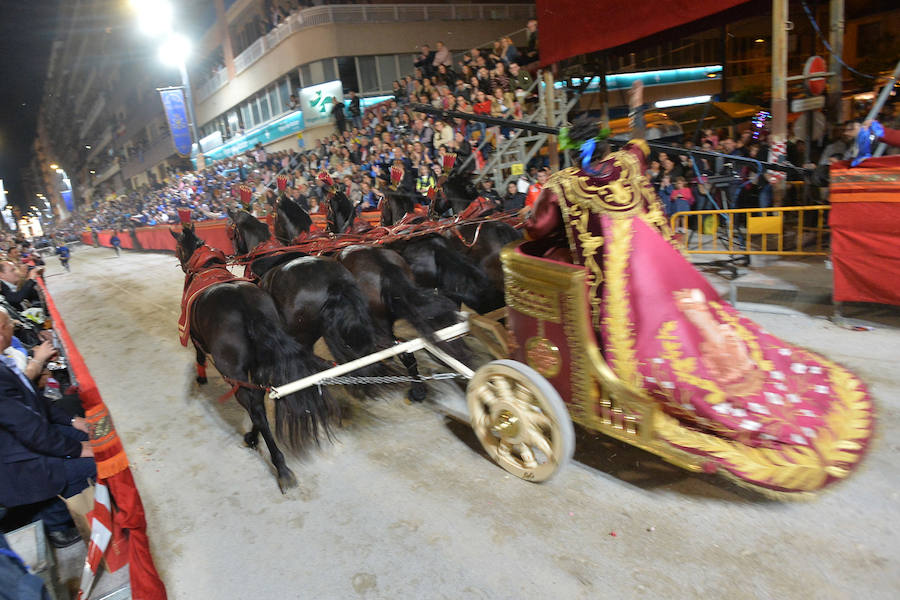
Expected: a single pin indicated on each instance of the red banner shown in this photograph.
(568, 28)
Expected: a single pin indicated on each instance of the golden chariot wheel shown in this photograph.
(520, 420)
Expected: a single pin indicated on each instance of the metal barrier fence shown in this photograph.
(784, 230)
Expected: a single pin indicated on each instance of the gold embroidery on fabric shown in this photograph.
(616, 317)
(684, 368)
(795, 468)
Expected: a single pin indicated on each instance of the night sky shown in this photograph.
(27, 30)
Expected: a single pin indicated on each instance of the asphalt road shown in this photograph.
(404, 505)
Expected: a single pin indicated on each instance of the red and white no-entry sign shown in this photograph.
(813, 66)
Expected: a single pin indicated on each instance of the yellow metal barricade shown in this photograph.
(784, 230)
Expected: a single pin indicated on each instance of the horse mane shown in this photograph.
(245, 220)
(294, 213)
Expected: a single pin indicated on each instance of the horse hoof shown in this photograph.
(287, 482)
(417, 394)
(202, 380)
(252, 440)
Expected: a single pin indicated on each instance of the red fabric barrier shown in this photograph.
(865, 251)
(112, 467)
(214, 233)
(865, 230)
(572, 27)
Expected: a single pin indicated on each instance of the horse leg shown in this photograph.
(201, 365)
(417, 390)
(253, 402)
(251, 438)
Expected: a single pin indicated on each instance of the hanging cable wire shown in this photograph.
(815, 25)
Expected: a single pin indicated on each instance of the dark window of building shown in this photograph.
(264, 111)
(306, 76)
(328, 71)
(368, 75)
(387, 67)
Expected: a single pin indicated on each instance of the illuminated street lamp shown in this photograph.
(54, 166)
(155, 18)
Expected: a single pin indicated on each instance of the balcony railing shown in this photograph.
(107, 172)
(161, 149)
(363, 13)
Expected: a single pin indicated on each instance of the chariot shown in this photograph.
(549, 372)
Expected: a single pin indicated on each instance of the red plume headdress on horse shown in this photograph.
(282, 181)
(448, 162)
(184, 215)
(396, 176)
(246, 194)
(325, 178)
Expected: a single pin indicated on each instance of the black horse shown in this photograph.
(396, 205)
(453, 195)
(239, 326)
(391, 293)
(340, 214)
(291, 220)
(481, 243)
(387, 284)
(250, 235)
(436, 265)
(316, 296)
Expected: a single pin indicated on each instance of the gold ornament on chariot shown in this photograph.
(543, 356)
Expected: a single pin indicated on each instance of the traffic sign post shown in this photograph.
(814, 72)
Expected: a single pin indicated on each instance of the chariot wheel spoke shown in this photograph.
(538, 439)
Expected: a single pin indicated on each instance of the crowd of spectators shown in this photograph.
(44, 452)
(360, 154)
(494, 80)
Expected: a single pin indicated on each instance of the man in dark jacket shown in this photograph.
(10, 288)
(425, 60)
(44, 452)
(355, 110)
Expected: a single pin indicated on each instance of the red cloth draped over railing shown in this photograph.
(865, 230)
(112, 467)
(568, 28)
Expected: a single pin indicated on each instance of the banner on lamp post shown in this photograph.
(176, 115)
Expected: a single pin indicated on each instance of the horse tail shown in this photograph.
(425, 310)
(279, 359)
(458, 278)
(348, 329)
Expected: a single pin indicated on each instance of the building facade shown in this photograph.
(101, 121)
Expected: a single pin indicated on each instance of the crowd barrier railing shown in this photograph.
(783, 230)
(214, 233)
(112, 468)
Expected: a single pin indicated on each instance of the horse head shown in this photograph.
(246, 231)
(186, 243)
(290, 220)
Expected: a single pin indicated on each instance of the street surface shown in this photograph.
(404, 505)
